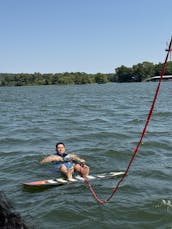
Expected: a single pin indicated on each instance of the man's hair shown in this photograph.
(60, 143)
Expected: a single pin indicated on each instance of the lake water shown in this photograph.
(103, 124)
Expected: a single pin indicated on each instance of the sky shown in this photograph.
(91, 36)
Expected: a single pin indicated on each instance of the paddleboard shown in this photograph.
(76, 179)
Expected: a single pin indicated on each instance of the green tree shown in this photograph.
(142, 71)
(168, 70)
(101, 78)
(124, 74)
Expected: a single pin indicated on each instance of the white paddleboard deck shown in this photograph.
(76, 179)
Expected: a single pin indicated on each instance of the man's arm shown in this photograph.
(76, 158)
(51, 158)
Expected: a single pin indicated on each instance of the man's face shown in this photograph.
(60, 149)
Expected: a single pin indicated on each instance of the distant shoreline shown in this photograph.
(145, 71)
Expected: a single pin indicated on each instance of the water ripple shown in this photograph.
(103, 124)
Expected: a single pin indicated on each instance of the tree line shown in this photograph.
(136, 73)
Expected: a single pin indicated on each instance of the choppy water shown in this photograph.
(101, 123)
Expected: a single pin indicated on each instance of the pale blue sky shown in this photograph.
(52, 36)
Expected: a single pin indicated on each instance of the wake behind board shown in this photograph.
(76, 179)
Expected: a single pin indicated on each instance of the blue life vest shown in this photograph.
(68, 164)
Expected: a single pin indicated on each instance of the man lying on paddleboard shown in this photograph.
(67, 163)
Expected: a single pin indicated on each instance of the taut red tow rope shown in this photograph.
(141, 138)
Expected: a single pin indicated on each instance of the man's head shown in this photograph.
(60, 148)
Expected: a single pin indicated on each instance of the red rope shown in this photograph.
(140, 141)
